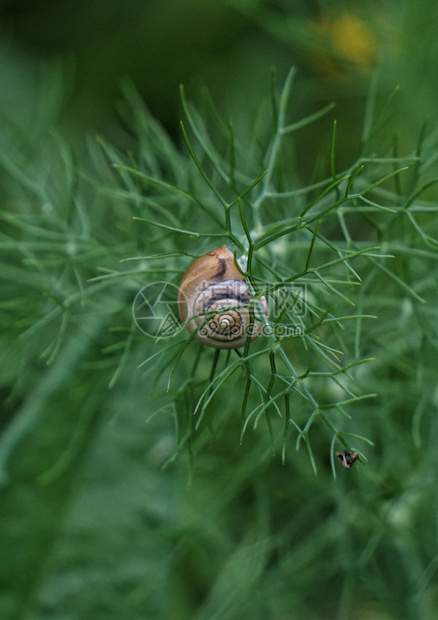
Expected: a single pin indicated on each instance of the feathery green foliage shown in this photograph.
(104, 426)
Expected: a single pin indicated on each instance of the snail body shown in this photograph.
(213, 291)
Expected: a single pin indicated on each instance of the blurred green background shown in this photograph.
(91, 525)
(230, 47)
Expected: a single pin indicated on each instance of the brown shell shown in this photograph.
(214, 292)
(214, 266)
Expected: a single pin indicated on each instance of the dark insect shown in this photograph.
(348, 458)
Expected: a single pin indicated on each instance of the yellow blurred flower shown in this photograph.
(345, 44)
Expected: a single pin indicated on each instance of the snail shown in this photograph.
(213, 291)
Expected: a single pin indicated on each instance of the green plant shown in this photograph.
(92, 523)
(327, 236)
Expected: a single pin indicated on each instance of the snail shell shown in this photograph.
(214, 292)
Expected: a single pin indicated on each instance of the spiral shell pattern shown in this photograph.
(215, 294)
